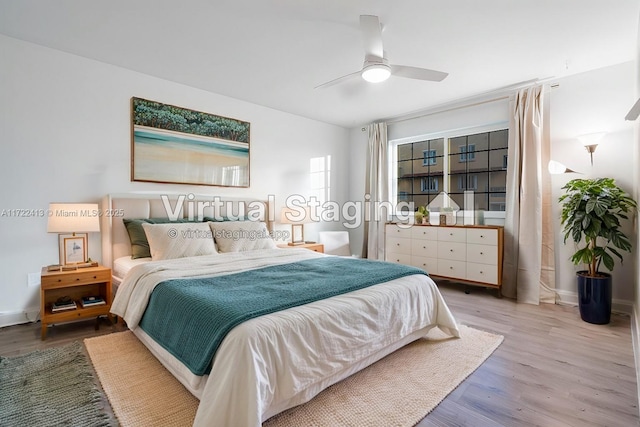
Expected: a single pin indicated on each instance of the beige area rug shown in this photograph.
(399, 390)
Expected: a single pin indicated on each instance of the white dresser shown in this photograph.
(469, 254)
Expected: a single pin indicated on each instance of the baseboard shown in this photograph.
(619, 306)
(19, 317)
(635, 343)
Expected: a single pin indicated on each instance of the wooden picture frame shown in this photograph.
(73, 248)
(176, 145)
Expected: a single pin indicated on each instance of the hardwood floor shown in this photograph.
(552, 369)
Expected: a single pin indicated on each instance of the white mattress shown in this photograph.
(274, 362)
(122, 265)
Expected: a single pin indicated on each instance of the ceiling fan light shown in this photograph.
(376, 73)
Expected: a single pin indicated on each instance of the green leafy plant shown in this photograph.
(421, 213)
(591, 213)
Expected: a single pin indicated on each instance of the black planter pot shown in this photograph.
(594, 298)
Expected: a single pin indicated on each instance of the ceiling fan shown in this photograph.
(376, 67)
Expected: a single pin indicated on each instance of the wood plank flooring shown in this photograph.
(552, 369)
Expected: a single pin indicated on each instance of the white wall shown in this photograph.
(65, 127)
(585, 103)
(479, 114)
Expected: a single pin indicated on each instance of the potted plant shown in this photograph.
(422, 215)
(592, 210)
(418, 216)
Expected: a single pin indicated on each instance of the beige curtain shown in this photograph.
(377, 187)
(529, 270)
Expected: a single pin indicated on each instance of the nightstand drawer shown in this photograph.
(75, 277)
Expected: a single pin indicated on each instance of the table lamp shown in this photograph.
(73, 222)
(297, 218)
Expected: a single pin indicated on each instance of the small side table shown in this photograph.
(74, 284)
(316, 247)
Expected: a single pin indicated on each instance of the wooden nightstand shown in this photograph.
(316, 247)
(75, 284)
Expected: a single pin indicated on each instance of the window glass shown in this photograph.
(475, 162)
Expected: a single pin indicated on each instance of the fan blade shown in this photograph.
(338, 80)
(372, 36)
(418, 73)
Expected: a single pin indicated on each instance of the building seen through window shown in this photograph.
(476, 162)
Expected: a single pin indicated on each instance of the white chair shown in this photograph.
(335, 242)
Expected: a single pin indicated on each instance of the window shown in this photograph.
(429, 184)
(454, 164)
(467, 153)
(415, 161)
(429, 157)
(320, 177)
(467, 182)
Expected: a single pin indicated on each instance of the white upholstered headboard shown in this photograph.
(116, 207)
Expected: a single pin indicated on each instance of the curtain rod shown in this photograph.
(457, 105)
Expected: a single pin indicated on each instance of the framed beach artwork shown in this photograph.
(176, 145)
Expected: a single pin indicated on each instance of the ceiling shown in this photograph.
(275, 52)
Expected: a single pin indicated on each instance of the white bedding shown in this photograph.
(122, 265)
(280, 360)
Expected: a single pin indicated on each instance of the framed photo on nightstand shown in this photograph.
(73, 248)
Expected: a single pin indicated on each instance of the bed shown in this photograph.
(277, 360)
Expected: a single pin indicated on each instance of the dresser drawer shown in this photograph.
(430, 265)
(482, 254)
(428, 248)
(424, 233)
(470, 254)
(398, 258)
(393, 230)
(398, 245)
(482, 236)
(482, 273)
(78, 277)
(452, 234)
(452, 250)
(453, 269)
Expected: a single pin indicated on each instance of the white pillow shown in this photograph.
(238, 236)
(179, 240)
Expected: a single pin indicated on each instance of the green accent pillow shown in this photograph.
(138, 238)
(223, 219)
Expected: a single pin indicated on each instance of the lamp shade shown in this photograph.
(298, 215)
(73, 218)
(591, 138)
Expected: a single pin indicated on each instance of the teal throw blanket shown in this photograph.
(191, 317)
